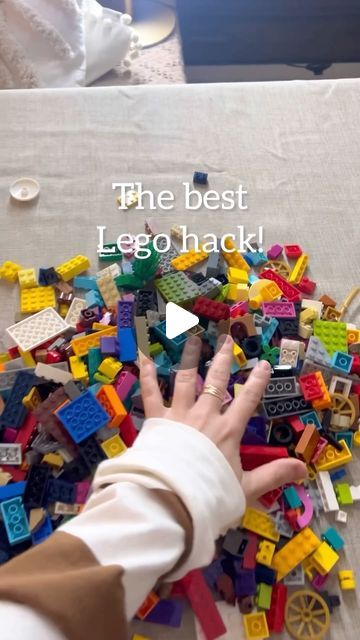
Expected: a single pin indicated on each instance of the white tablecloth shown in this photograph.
(294, 146)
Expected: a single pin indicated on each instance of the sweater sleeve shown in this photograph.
(154, 514)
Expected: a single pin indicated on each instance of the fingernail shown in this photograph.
(264, 365)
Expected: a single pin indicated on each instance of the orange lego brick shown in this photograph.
(324, 402)
(307, 444)
(149, 603)
(112, 404)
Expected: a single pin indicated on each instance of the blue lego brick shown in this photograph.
(14, 412)
(212, 572)
(127, 345)
(348, 436)
(37, 479)
(292, 499)
(333, 538)
(337, 475)
(253, 278)
(175, 344)
(41, 534)
(311, 418)
(200, 177)
(94, 361)
(264, 574)
(94, 299)
(168, 612)
(342, 362)
(109, 346)
(125, 314)
(15, 520)
(12, 490)
(48, 277)
(85, 282)
(245, 583)
(60, 491)
(163, 364)
(268, 326)
(83, 416)
(256, 258)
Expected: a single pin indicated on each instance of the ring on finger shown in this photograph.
(211, 390)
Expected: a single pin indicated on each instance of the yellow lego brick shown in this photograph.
(32, 399)
(27, 358)
(237, 292)
(130, 200)
(260, 523)
(27, 278)
(256, 626)
(324, 558)
(237, 276)
(99, 377)
(299, 269)
(239, 355)
(97, 326)
(233, 257)
(265, 553)
(113, 446)
(78, 369)
(309, 568)
(81, 345)
(73, 267)
(353, 336)
(294, 552)
(36, 299)
(4, 357)
(63, 310)
(110, 367)
(308, 315)
(9, 271)
(137, 637)
(331, 458)
(189, 259)
(346, 580)
(108, 289)
(55, 460)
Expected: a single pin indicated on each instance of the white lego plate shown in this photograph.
(39, 328)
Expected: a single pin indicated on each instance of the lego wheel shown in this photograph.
(307, 616)
(343, 412)
(280, 267)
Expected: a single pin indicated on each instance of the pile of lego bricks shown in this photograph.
(70, 398)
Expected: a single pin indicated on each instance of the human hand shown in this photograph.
(204, 414)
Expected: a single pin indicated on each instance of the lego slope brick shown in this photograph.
(37, 329)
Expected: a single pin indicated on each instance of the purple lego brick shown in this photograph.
(255, 431)
(109, 346)
(279, 309)
(125, 314)
(274, 252)
(167, 612)
(212, 572)
(245, 583)
(124, 383)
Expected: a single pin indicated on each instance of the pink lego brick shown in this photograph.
(239, 309)
(279, 309)
(274, 252)
(82, 492)
(124, 383)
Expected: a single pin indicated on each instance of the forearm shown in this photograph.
(155, 512)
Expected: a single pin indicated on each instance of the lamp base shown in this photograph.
(153, 21)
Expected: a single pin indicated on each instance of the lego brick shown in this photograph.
(311, 418)
(36, 299)
(127, 345)
(333, 538)
(333, 335)
(81, 345)
(9, 271)
(265, 553)
(37, 329)
(189, 259)
(43, 532)
(12, 490)
(142, 335)
(299, 269)
(342, 362)
(54, 374)
(125, 314)
(113, 447)
(294, 552)
(10, 454)
(324, 558)
(260, 523)
(292, 251)
(148, 605)
(85, 282)
(167, 612)
(341, 516)
(15, 520)
(110, 401)
(282, 408)
(83, 416)
(263, 595)
(288, 290)
(27, 278)
(253, 456)
(277, 309)
(200, 177)
(233, 257)
(289, 352)
(36, 485)
(281, 387)
(73, 315)
(343, 494)
(210, 309)
(327, 491)
(73, 267)
(15, 412)
(255, 625)
(346, 580)
(292, 499)
(296, 577)
(177, 288)
(202, 604)
(275, 616)
(332, 459)
(60, 491)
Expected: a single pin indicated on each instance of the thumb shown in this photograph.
(270, 476)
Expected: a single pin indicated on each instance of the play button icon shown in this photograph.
(178, 320)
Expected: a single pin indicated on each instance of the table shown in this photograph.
(294, 147)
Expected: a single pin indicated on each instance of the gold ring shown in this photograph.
(210, 390)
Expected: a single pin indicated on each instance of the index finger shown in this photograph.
(150, 392)
(244, 406)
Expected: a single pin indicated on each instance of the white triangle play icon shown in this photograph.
(178, 320)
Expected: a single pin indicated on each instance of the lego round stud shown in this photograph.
(25, 189)
(307, 616)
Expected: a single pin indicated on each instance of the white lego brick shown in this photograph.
(73, 315)
(313, 304)
(327, 491)
(34, 331)
(341, 516)
(289, 352)
(51, 373)
(62, 509)
(10, 454)
(355, 492)
(113, 270)
(340, 385)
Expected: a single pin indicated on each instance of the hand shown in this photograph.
(204, 414)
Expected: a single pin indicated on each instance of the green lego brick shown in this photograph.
(177, 288)
(343, 494)
(263, 595)
(333, 335)
(116, 256)
(128, 281)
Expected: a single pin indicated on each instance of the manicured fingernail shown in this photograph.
(264, 365)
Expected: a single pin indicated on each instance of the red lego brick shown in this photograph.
(128, 431)
(148, 605)
(276, 614)
(306, 285)
(203, 604)
(293, 251)
(18, 475)
(310, 387)
(53, 356)
(211, 309)
(269, 498)
(253, 456)
(249, 557)
(13, 353)
(355, 367)
(291, 515)
(25, 433)
(291, 293)
(296, 425)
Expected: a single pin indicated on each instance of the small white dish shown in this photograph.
(25, 189)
